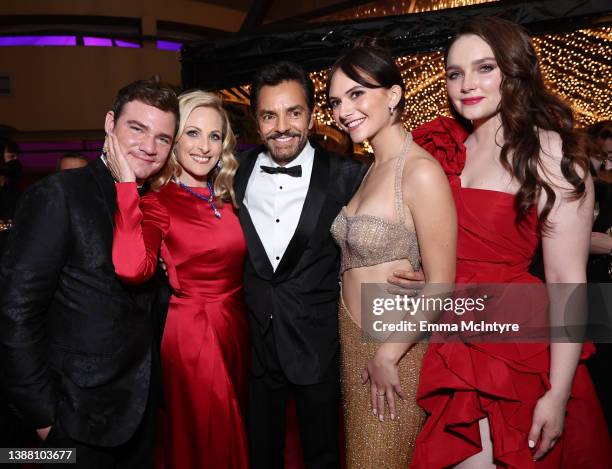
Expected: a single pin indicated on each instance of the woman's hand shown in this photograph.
(383, 373)
(117, 161)
(547, 425)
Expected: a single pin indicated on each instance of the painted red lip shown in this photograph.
(472, 101)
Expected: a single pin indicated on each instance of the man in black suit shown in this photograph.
(76, 344)
(290, 194)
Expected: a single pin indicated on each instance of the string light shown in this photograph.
(577, 66)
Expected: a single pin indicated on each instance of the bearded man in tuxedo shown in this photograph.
(77, 346)
(290, 192)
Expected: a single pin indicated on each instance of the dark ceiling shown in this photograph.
(278, 10)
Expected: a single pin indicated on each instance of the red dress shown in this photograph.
(460, 383)
(205, 346)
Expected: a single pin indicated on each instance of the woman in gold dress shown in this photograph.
(401, 216)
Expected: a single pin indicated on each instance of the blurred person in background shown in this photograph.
(599, 269)
(10, 172)
(601, 241)
(71, 161)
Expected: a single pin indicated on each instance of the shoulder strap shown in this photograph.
(399, 171)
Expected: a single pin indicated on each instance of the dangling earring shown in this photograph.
(391, 110)
(219, 164)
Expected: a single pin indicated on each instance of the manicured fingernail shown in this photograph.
(531, 444)
(392, 416)
(374, 411)
(381, 418)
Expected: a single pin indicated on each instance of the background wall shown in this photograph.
(58, 89)
(71, 88)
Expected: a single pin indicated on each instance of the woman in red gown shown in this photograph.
(190, 221)
(510, 405)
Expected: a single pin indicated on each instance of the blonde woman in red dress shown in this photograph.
(190, 220)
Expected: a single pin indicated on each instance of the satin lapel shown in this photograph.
(106, 186)
(246, 161)
(257, 253)
(315, 197)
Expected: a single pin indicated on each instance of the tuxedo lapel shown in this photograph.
(257, 253)
(106, 186)
(315, 197)
(247, 162)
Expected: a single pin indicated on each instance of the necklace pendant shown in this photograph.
(217, 213)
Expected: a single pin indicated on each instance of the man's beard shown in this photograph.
(283, 157)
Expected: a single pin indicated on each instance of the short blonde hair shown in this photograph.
(223, 176)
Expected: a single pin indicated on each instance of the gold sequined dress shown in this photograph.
(367, 240)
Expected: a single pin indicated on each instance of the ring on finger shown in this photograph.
(380, 394)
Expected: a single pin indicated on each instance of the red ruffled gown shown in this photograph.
(461, 383)
(205, 345)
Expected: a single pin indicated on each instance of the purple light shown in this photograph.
(38, 41)
(95, 145)
(169, 45)
(133, 45)
(42, 157)
(97, 41)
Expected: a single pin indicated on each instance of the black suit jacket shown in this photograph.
(301, 296)
(76, 344)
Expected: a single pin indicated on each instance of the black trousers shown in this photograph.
(137, 452)
(317, 411)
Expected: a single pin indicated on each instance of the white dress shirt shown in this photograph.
(275, 202)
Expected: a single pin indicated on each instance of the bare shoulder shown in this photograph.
(421, 169)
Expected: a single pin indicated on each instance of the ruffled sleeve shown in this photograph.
(140, 226)
(443, 138)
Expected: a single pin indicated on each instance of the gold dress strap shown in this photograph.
(399, 171)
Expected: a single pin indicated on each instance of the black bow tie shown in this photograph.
(295, 171)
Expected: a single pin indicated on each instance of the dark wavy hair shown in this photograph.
(527, 106)
(370, 64)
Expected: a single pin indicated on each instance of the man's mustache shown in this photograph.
(283, 134)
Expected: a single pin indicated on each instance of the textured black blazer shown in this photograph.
(301, 296)
(75, 343)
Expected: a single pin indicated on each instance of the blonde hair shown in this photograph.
(223, 177)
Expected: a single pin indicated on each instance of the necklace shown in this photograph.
(210, 200)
